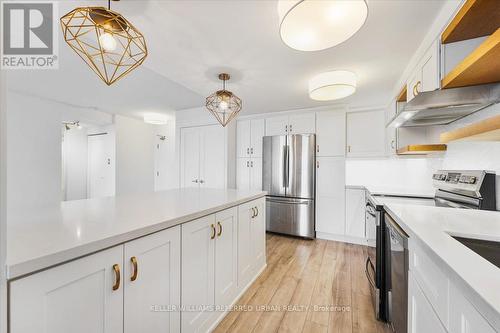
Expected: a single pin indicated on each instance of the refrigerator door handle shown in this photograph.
(290, 201)
(285, 166)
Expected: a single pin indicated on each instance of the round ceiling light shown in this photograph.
(311, 25)
(155, 119)
(333, 85)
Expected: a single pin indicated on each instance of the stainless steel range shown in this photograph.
(387, 260)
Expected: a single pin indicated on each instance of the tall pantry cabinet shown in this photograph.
(249, 135)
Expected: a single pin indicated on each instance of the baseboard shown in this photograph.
(225, 313)
(341, 238)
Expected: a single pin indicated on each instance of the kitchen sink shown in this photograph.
(489, 250)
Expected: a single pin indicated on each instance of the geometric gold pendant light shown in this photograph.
(109, 44)
(223, 104)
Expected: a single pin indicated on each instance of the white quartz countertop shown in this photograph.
(434, 226)
(394, 191)
(40, 239)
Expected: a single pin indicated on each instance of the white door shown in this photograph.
(421, 315)
(257, 132)
(76, 297)
(213, 157)
(226, 256)
(152, 282)
(366, 133)
(245, 262)
(258, 235)
(198, 263)
(190, 157)
(243, 173)
(243, 143)
(355, 213)
(101, 166)
(330, 133)
(256, 174)
(302, 123)
(277, 125)
(330, 195)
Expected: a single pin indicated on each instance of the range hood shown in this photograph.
(441, 107)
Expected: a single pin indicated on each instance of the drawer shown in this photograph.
(431, 279)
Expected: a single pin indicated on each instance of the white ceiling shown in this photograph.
(190, 42)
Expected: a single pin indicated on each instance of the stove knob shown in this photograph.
(472, 180)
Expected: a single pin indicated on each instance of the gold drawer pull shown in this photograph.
(220, 229)
(253, 212)
(134, 264)
(116, 268)
(213, 231)
(257, 211)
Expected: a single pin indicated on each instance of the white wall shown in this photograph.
(75, 155)
(165, 158)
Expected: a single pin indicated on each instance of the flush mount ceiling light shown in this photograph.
(313, 25)
(105, 40)
(332, 85)
(223, 104)
(155, 119)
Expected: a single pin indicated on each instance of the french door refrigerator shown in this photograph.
(288, 176)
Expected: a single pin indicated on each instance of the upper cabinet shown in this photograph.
(249, 137)
(366, 133)
(330, 133)
(292, 124)
(425, 76)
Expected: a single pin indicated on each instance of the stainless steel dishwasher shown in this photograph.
(397, 275)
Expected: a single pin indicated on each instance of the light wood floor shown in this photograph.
(304, 273)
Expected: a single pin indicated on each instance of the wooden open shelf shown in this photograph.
(484, 130)
(402, 95)
(480, 67)
(421, 149)
(476, 18)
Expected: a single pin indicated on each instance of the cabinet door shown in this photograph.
(366, 133)
(421, 316)
(257, 132)
(258, 235)
(190, 157)
(243, 143)
(213, 157)
(429, 68)
(414, 84)
(277, 125)
(74, 297)
(152, 300)
(464, 318)
(256, 174)
(245, 262)
(243, 173)
(330, 133)
(226, 256)
(330, 195)
(302, 123)
(197, 285)
(355, 213)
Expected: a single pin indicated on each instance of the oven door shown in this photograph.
(372, 264)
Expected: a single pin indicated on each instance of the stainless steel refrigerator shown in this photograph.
(289, 177)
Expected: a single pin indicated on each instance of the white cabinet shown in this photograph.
(251, 242)
(330, 133)
(366, 133)
(249, 138)
(330, 195)
(464, 318)
(249, 173)
(76, 297)
(226, 256)
(292, 124)
(355, 213)
(152, 281)
(198, 274)
(421, 316)
(425, 76)
(203, 156)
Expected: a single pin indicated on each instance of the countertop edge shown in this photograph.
(21, 269)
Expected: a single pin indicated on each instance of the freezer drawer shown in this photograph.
(290, 216)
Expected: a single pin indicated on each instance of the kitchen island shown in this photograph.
(132, 263)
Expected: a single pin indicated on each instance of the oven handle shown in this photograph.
(370, 212)
(369, 262)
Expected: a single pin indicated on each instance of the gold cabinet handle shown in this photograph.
(415, 88)
(253, 212)
(116, 268)
(257, 211)
(213, 231)
(135, 272)
(220, 229)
